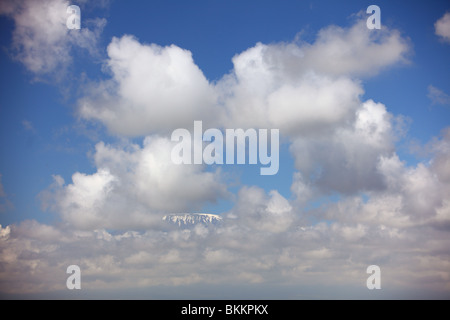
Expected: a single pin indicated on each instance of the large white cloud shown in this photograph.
(132, 188)
(356, 50)
(302, 87)
(153, 89)
(413, 196)
(345, 159)
(295, 87)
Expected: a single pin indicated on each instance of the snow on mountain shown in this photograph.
(192, 218)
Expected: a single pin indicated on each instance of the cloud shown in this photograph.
(153, 89)
(259, 243)
(133, 187)
(41, 39)
(299, 87)
(293, 86)
(442, 27)
(264, 238)
(354, 203)
(314, 103)
(356, 148)
(437, 96)
(268, 213)
(413, 196)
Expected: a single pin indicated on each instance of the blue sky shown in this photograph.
(357, 161)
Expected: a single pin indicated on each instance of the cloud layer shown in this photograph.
(263, 239)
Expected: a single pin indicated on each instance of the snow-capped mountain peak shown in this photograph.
(192, 218)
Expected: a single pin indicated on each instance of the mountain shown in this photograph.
(187, 219)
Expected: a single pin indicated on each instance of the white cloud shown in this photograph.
(268, 213)
(413, 196)
(355, 50)
(442, 27)
(313, 103)
(289, 86)
(438, 96)
(153, 89)
(440, 149)
(307, 87)
(41, 39)
(132, 188)
(341, 145)
(345, 160)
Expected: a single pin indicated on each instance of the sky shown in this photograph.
(86, 175)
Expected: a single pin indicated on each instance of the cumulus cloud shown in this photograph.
(442, 27)
(355, 149)
(302, 87)
(41, 39)
(314, 103)
(153, 89)
(413, 196)
(355, 50)
(133, 187)
(269, 213)
(290, 86)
